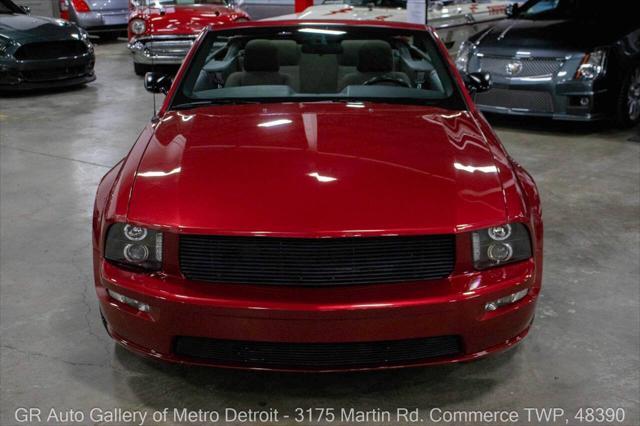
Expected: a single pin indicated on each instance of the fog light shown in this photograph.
(512, 298)
(129, 301)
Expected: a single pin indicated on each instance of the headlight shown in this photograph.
(462, 59)
(84, 35)
(134, 246)
(4, 47)
(138, 26)
(500, 244)
(592, 65)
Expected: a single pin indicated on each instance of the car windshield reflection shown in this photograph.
(319, 62)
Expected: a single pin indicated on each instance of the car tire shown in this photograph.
(140, 69)
(628, 100)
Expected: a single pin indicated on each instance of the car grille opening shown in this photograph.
(317, 355)
(169, 49)
(52, 74)
(50, 50)
(525, 100)
(531, 67)
(316, 261)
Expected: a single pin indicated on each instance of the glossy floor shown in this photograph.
(582, 351)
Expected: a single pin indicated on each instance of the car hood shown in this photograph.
(25, 28)
(548, 35)
(188, 19)
(314, 169)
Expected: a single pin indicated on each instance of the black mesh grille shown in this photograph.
(526, 100)
(51, 74)
(317, 355)
(319, 261)
(534, 67)
(51, 50)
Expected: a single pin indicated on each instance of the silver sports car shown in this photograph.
(106, 18)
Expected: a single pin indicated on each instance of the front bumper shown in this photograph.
(558, 102)
(109, 21)
(49, 73)
(295, 315)
(549, 90)
(160, 50)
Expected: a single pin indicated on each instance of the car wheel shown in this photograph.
(628, 104)
(140, 69)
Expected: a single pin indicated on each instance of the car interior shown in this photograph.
(316, 66)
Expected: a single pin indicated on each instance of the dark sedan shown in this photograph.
(38, 52)
(564, 59)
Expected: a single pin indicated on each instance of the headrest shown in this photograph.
(375, 56)
(350, 51)
(261, 55)
(288, 52)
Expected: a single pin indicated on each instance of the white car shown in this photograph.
(453, 21)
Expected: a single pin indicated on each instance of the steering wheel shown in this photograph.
(386, 79)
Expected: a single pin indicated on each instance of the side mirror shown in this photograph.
(157, 83)
(25, 9)
(512, 10)
(477, 82)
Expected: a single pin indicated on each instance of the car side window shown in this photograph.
(543, 6)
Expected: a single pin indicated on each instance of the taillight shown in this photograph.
(64, 9)
(80, 6)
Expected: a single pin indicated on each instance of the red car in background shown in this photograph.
(161, 32)
(317, 196)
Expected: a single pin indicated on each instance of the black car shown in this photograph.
(564, 59)
(38, 52)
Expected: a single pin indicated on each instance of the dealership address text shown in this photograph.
(533, 415)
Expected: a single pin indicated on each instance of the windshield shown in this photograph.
(565, 9)
(401, 4)
(375, 3)
(160, 3)
(319, 62)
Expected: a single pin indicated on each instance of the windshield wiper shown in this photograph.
(195, 104)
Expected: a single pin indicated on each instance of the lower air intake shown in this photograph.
(317, 355)
(524, 100)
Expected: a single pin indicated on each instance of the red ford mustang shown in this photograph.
(317, 196)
